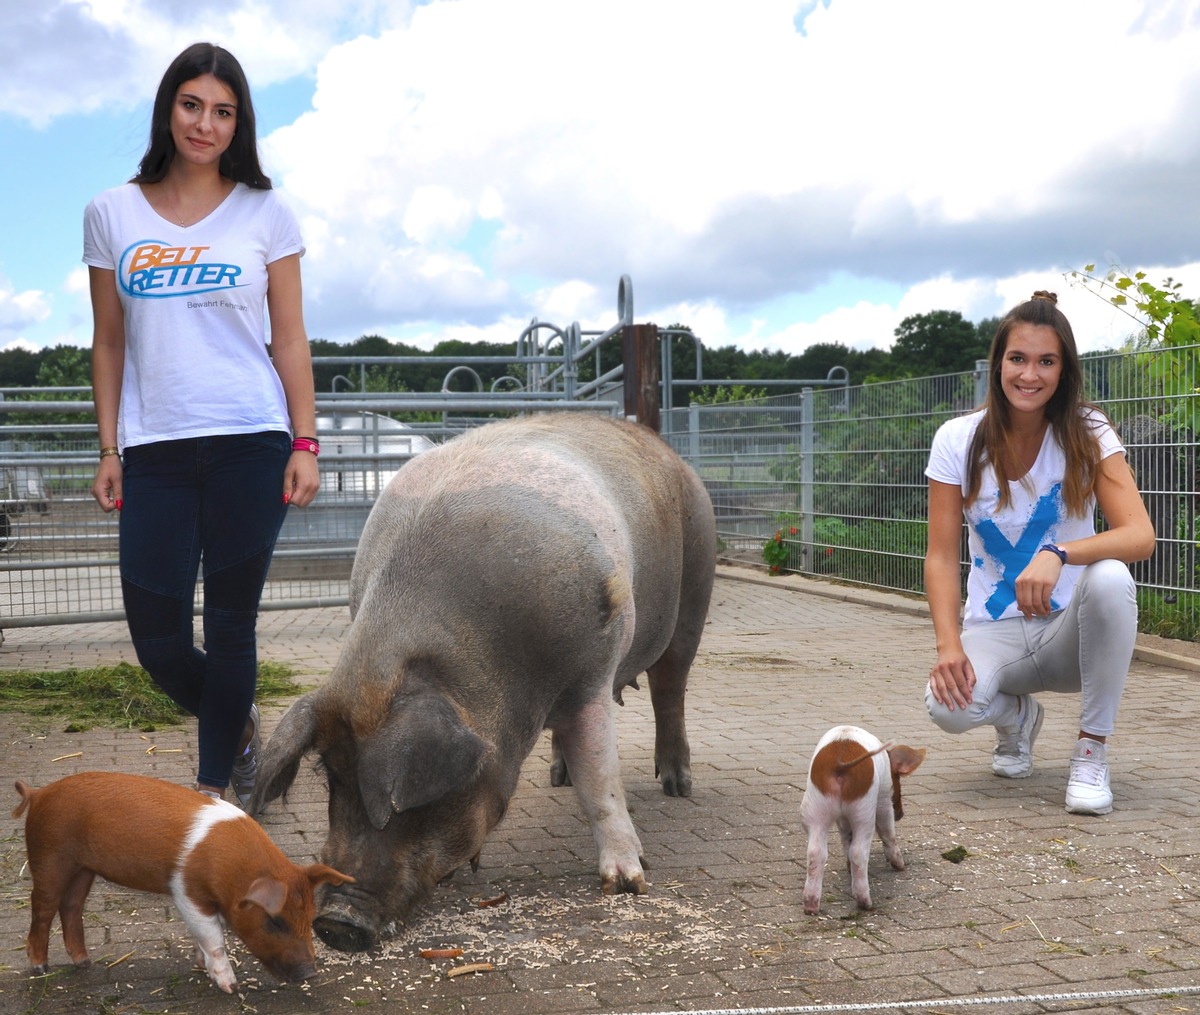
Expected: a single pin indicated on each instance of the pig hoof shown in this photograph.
(343, 935)
(676, 779)
(559, 776)
(42, 970)
(624, 884)
(83, 963)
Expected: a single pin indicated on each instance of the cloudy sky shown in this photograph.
(772, 172)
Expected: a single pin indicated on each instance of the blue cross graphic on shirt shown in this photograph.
(1012, 558)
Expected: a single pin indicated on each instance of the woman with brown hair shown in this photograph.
(206, 436)
(1050, 601)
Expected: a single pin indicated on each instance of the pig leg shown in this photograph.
(589, 742)
(559, 775)
(209, 936)
(70, 914)
(44, 903)
(885, 823)
(818, 853)
(856, 839)
(668, 683)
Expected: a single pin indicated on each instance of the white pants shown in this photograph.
(1087, 648)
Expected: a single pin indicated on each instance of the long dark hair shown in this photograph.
(992, 443)
(240, 160)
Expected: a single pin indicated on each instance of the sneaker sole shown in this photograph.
(1085, 809)
(1037, 728)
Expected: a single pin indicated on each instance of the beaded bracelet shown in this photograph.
(306, 444)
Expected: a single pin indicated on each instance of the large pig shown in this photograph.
(515, 579)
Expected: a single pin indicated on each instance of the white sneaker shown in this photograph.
(1087, 787)
(1013, 755)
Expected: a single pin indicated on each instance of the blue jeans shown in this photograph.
(216, 502)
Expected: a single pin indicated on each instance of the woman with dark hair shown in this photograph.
(1050, 601)
(206, 436)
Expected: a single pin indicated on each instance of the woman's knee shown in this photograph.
(956, 720)
(1109, 581)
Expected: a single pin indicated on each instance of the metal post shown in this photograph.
(981, 381)
(808, 554)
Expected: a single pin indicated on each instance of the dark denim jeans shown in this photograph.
(216, 502)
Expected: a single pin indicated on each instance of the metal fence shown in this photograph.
(838, 475)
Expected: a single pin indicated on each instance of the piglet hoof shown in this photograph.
(624, 884)
(83, 963)
(42, 970)
(865, 903)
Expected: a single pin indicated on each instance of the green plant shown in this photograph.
(1170, 320)
(776, 552)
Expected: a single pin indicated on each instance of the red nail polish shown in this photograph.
(119, 503)
(287, 497)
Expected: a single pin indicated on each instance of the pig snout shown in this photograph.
(292, 969)
(348, 920)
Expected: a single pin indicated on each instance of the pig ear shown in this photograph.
(320, 874)
(906, 760)
(422, 752)
(270, 893)
(279, 759)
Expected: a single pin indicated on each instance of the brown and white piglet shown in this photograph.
(211, 858)
(853, 782)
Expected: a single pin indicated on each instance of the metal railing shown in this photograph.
(838, 474)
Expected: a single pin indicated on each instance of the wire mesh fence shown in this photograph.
(831, 483)
(834, 478)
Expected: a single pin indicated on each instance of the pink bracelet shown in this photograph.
(306, 444)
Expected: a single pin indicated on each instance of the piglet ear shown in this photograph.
(320, 874)
(269, 893)
(906, 760)
(424, 751)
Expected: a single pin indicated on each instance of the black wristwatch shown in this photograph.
(1058, 551)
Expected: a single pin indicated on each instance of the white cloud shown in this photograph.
(468, 165)
(20, 311)
(65, 57)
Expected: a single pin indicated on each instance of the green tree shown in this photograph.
(1171, 325)
(65, 366)
(986, 330)
(19, 367)
(941, 342)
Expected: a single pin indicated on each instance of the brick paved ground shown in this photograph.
(1074, 913)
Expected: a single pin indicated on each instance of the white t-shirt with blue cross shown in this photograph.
(1002, 543)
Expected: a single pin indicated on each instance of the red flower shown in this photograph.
(793, 530)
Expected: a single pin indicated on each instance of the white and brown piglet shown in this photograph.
(211, 858)
(853, 782)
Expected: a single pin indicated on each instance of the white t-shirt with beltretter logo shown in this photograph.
(194, 300)
(1003, 542)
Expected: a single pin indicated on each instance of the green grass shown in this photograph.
(120, 696)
